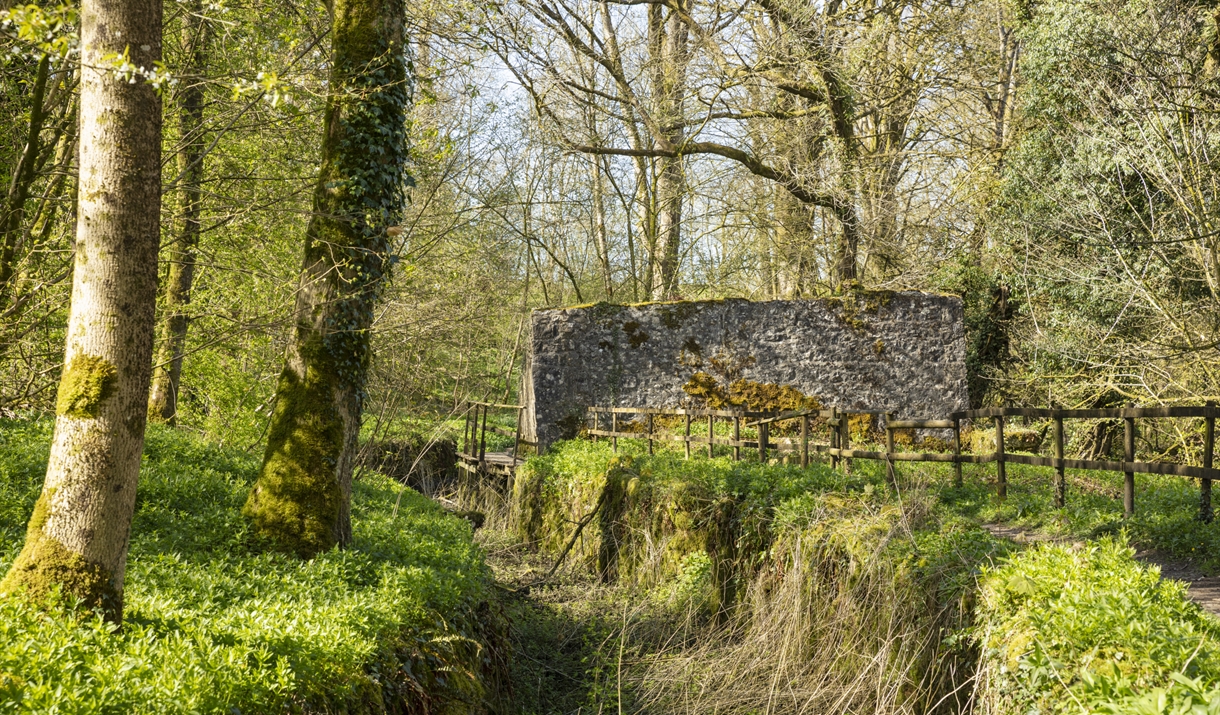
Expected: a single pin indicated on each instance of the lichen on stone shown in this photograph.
(748, 394)
(87, 382)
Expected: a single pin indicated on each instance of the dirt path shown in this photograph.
(1203, 590)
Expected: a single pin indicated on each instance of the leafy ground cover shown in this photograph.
(214, 624)
(1089, 629)
(1166, 507)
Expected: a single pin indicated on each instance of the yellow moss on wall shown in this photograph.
(747, 394)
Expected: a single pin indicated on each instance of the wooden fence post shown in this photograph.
(711, 436)
(517, 436)
(804, 441)
(1060, 477)
(845, 439)
(1128, 474)
(1001, 476)
(1205, 485)
(737, 438)
(466, 430)
(764, 431)
(890, 477)
(614, 431)
(649, 421)
(483, 438)
(957, 452)
(833, 423)
(597, 421)
(686, 442)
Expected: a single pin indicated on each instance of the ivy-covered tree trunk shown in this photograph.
(163, 400)
(302, 498)
(77, 537)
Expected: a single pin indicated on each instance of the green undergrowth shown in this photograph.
(215, 624)
(1089, 629)
(650, 512)
(1166, 508)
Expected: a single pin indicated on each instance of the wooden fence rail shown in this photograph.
(840, 451)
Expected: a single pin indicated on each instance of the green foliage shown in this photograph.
(1089, 629)
(1166, 513)
(810, 575)
(1102, 213)
(656, 511)
(48, 30)
(214, 625)
(987, 320)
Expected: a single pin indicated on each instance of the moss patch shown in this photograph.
(45, 567)
(87, 382)
(856, 306)
(635, 336)
(747, 394)
(675, 316)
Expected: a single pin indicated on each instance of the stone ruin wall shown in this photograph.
(897, 351)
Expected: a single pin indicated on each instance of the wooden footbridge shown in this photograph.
(473, 455)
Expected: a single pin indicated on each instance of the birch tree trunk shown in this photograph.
(167, 373)
(302, 499)
(77, 537)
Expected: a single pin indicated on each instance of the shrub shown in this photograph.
(214, 624)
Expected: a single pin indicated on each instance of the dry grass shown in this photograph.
(832, 624)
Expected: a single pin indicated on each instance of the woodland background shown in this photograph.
(1055, 163)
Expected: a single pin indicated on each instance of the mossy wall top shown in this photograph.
(904, 352)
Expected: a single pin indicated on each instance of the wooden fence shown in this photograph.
(839, 446)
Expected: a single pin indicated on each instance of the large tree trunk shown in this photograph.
(671, 189)
(77, 537)
(302, 499)
(167, 374)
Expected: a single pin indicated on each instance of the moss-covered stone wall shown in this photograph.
(900, 351)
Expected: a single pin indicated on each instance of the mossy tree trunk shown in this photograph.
(167, 373)
(77, 538)
(301, 500)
